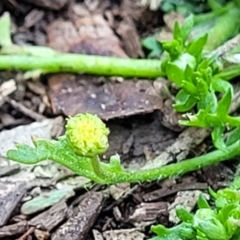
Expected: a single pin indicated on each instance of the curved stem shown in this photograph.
(177, 168)
(97, 168)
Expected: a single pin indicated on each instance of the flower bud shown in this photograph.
(87, 135)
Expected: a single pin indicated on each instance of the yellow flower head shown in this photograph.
(87, 135)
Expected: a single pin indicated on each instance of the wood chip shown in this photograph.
(13, 230)
(6, 88)
(50, 218)
(33, 17)
(49, 4)
(97, 235)
(89, 34)
(37, 87)
(23, 134)
(41, 235)
(130, 38)
(108, 101)
(186, 199)
(146, 213)
(25, 110)
(8, 170)
(10, 196)
(45, 200)
(181, 147)
(119, 190)
(169, 190)
(126, 234)
(26, 234)
(77, 227)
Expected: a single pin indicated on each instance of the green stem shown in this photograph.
(106, 173)
(200, 18)
(227, 25)
(77, 63)
(97, 168)
(5, 30)
(178, 168)
(229, 73)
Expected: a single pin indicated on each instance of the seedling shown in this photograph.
(199, 81)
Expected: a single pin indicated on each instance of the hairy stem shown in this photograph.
(226, 27)
(97, 168)
(178, 168)
(106, 173)
(77, 63)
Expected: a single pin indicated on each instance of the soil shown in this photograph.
(48, 201)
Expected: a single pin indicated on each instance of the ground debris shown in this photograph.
(189, 183)
(49, 4)
(46, 200)
(217, 176)
(10, 196)
(146, 214)
(142, 123)
(14, 229)
(179, 150)
(130, 38)
(7, 88)
(8, 170)
(111, 100)
(41, 235)
(23, 134)
(25, 110)
(118, 190)
(88, 34)
(186, 199)
(97, 235)
(126, 234)
(50, 218)
(78, 226)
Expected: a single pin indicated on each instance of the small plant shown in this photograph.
(203, 89)
(200, 84)
(219, 222)
(86, 138)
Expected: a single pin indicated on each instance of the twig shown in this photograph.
(28, 112)
(26, 234)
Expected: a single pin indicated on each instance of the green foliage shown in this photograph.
(204, 96)
(199, 84)
(184, 6)
(152, 45)
(219, 222)
(187, 7)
